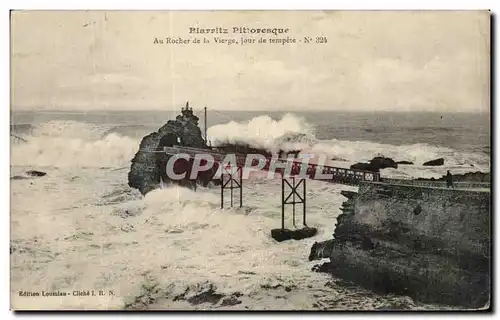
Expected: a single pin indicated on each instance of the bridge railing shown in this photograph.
(439, 183)
(339, 175)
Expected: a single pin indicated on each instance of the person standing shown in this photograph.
(449, 179)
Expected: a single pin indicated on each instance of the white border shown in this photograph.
(494, 5)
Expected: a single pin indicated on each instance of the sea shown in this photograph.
(83, 235)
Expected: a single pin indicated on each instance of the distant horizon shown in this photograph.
(197, 110)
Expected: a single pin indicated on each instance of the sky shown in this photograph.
(372, 61)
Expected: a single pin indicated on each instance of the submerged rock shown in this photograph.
(29, 174)
(18, 178)
(436, 162)
(35, 173)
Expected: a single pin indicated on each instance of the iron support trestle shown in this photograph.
(294, 194)
(233, 184)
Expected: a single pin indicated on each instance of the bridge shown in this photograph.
(338, 175)
(232, 178)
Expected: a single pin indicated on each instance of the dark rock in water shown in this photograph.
(29, 174)
(230, 301)
(298, 234)
(404, 162)
(18, 178)
(208, 294)
(364, 167)
(35, 173)
(281, 234)
(147, 166)
(436, 162)
(375, 164)
(383, 162)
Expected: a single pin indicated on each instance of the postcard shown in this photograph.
(250, 160)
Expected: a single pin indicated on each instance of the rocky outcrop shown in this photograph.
(149, 163)
(375, 164)
(427, 243)
(204, 294)
(148, 167)
(29, 174)
(35, 173)
(297, 234)
(435, 162)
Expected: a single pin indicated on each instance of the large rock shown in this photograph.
(147, 166)
(375, 164)
(365, 167)
(35, 173)
(436, 162)
(29, 174)
(383, 162)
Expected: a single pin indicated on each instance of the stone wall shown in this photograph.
(454, 220)
(430, 243)
(439, 184)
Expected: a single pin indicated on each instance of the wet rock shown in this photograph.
(383, 162)
(174, 231)
(375, 164)
(298, 234)
(435, 162)
(29, 174)
(35, 173)
(208, 295)
(18, 178)
(148, 165)
(246, 272)
(230, 301)
(281, 234)
(367, 243)
(364, 167)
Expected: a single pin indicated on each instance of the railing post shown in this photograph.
(282, 203)
(241, 186)
(222, 190)
(304, 203)
(232, 182)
